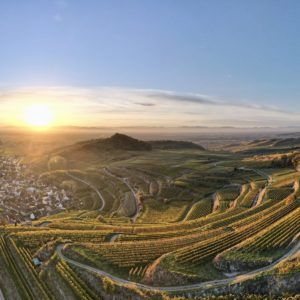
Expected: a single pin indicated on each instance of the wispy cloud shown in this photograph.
(115, 106)
(145, 103)
(207, 100)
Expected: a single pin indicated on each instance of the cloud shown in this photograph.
(144, 103)
(116, 106)
(207, 100)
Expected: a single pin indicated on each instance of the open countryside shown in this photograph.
(149, 218)
(149, 150)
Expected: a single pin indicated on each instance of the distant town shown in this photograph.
(24, 197)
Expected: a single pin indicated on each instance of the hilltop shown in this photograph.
(118, 147)
(170, 144)
(117, 142)
(122, 144)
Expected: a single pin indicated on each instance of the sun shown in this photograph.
(39, 115)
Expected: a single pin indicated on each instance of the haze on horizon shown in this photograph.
(151, 63)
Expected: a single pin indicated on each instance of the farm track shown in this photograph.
(92, 187)
(203, 285)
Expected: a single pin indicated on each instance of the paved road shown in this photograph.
(92, 187)
(125, 181)
(203, 285)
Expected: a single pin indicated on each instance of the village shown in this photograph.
(24, 197)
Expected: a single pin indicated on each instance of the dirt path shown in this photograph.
(92, 187)
(203, 285)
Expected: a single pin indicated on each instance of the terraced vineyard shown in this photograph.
(170, 218)
(71, 278)
(200, 252)
(265, 246)
(200, 209)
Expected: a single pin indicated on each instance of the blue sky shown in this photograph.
(245, 54)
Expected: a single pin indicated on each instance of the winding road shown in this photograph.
(92, 187)
(125, 181)
(202, 285)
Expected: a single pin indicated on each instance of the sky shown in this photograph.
(152, 62)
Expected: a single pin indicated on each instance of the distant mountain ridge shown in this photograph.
(266, 146)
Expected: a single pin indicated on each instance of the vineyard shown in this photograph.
(202, 215)
(265, 246)
(200, 252)
(200, 209)
(20, 263)
(71, 278)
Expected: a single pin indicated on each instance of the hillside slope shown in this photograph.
(170, 144)
(116, 142)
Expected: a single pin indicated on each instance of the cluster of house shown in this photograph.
(24, 196)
